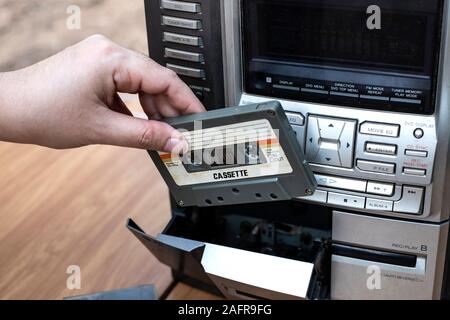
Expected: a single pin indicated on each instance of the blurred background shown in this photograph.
(31, 30)
(65, 208)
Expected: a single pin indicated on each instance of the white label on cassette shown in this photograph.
(233, 152)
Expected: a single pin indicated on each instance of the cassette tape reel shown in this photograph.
(236, 155)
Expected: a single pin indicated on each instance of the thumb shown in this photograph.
(126, 131)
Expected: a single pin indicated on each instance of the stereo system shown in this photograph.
(366, 89)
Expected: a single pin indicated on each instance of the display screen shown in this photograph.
(339, 35)
(311, 50)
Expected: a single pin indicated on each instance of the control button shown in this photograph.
(183, 39)
(328, 154)
(330, 129)
(315, 91)
(298, 133)
(330, 141)
(378, 167)
(341, 183)
(411, 201)
(296, 118)
(376, 98)
(380, 129)
(387, 149)
(184, 55)
(415, 153)
(185, 71)
(418, 133)
(346, 200)
(347, 141)
(318, 196)
(382, 189)
(182, 23)
(181, 6)
(312, 139)
(379, 205)
(408, 101)
(414, 172)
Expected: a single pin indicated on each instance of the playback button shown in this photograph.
(346, 200)
(377, 167)
(380, 129)
(380, 148)
(379, 205)
(341, 183)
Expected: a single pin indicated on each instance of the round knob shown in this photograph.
(418, 133)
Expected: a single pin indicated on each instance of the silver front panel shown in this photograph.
(356, 278)
(374, 174)
(401, 144)
(395, 130)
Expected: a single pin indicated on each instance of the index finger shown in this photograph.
(138, 73)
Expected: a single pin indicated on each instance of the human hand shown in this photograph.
(71, 100)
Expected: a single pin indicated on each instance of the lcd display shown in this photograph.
(344, 52)
(339, 35)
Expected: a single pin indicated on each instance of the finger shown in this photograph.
(165, 108)
(125, 131)
(137, 73)
(149, 106)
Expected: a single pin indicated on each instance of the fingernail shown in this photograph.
(176, 146)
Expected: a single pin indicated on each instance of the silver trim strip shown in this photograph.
(314, 91)
(280, 86)
(403, 100)
(231, 47)
(184, 55)
(344, 94)
(380, 98)
(182, 39)
(185, 71)
(181, 23)
(181, 6)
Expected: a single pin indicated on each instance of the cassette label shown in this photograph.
(231, 152)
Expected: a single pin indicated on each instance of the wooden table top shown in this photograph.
(63, 208)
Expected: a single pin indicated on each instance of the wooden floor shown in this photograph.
(63, 208)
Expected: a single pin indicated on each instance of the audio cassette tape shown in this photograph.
(236, 155)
